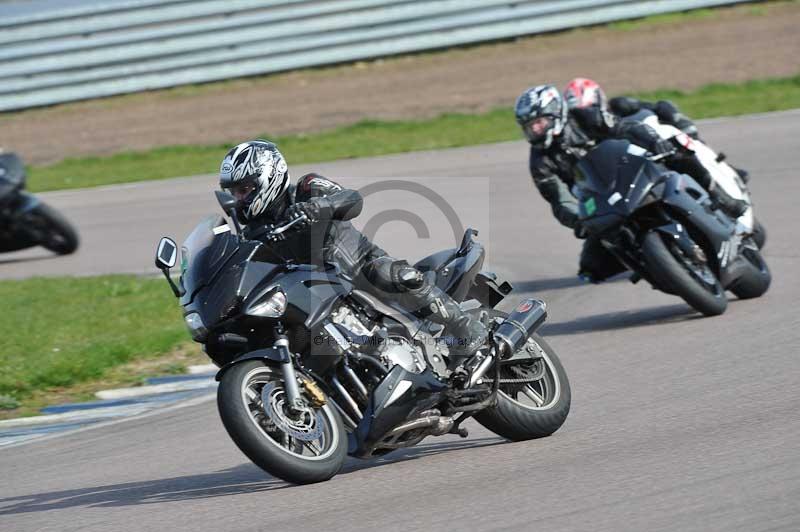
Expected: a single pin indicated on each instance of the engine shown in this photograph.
(392, 350)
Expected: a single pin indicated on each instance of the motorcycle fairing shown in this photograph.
(613, 181)
(400, 396)
(206, 252)
(270, 355)
(12, 174)
(455, 268)
(689, 199)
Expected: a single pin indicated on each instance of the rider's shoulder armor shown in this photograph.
(313, 186)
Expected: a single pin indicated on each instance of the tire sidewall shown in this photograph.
(517, 423)
(252, 442)
(670, 274)
(56, 223)
(756, 279)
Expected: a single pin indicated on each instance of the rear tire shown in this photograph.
(759, 233)
(253, 436)
(755, 282)
(676, 279)
(516, 421)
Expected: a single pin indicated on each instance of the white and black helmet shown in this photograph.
(256, 173)
(542, 114)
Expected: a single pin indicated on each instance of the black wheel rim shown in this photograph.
(310, 435)
(699, 270)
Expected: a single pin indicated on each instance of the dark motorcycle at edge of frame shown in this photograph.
(26, 221)
(313, 369)
(663, 226)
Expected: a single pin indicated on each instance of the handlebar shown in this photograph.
(661, 156)
(285, 227)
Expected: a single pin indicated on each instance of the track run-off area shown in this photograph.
(678, 422)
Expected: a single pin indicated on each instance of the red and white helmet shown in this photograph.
(584, 92)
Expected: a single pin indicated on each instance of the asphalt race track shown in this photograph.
(678, 422)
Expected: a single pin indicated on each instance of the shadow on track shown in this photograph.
(34, 258)
(242, 479)
(622, 320)
(558, 283)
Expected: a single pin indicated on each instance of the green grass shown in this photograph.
(369, 138)
(758, 9)
(666, 18)
(59, 332)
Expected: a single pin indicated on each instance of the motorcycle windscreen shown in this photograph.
(12, 173)
(204, 252)
(598, 170)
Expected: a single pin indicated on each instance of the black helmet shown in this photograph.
(542, 114)
(256, 174)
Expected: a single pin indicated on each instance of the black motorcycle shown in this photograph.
(662, 226)
(25, 221)
(314, 369)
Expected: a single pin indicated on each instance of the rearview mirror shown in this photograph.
(226, 201)
(167, 254)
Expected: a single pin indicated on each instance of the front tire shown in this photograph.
(697, 285)
(268, 436)
(533, 410)
(54, 231)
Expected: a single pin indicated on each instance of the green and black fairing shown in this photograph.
(614, 180)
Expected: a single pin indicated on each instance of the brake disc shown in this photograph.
(306, 427)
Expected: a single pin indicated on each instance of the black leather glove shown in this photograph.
(310, 209)
(661, 147)
(580, 230)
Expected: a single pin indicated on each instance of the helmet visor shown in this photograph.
(536, 130)
(241, 191)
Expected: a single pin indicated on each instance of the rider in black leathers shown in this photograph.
(557, 143)
(256, 174)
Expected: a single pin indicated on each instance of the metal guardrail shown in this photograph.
(102, 48)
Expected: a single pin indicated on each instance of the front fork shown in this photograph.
(288, 373)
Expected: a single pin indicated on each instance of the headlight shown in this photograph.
(196, 326)
(272, 305)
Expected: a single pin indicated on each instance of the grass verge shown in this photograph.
(370, 138)
(61, 339)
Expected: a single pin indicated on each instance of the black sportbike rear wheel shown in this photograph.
(690, 278)
(299, 447)
(759, 233)
(757, 278)
(534, 397)
(51, 230)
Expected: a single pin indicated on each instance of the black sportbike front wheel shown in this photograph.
(688, 277)
(299, 447)
(48, 228)
(534, 396)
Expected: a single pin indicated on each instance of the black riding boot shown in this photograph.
(431, 302)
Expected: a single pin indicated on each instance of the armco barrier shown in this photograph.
(102, 48)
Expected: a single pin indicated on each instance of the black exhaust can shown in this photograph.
(511, 335)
